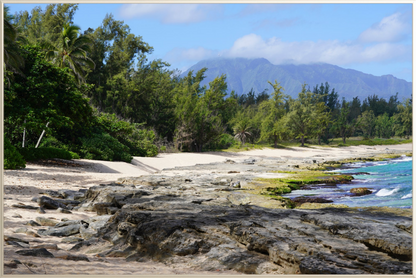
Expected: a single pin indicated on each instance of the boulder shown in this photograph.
(360, 191)
(49, 203)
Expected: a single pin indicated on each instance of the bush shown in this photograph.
(102, 146)
(12, 158)
(146, 142)
(141, 142)
(32, 154)
(224, 141)
(52, 142)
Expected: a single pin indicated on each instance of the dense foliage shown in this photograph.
(33, 154)
(98, 96)
(12, 158)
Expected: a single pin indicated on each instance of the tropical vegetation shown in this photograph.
(96, 95)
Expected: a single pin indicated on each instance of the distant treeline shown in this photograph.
(96, 94)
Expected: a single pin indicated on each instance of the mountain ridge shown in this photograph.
(244, 74)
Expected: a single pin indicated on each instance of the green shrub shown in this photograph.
(74, 155)
(224, 141)
(52, 142)
(140, 141)
(32, 154)
(102, 146)
(12, 158)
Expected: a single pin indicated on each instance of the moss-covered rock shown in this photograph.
(360, 191)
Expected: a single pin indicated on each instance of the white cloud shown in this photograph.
(172, 13)
(302, 52)
(390, 29)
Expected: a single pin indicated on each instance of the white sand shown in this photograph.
(22, 185)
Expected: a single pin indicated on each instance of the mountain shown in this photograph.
(244, 74)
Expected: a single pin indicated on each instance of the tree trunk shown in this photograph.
(40, 138)
(24, 134)
(343, 139)
(303, 141)
(319, 139)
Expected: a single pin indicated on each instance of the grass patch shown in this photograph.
(356, 141)
(335, 142)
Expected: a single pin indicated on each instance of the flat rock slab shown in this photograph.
(41, 252)
(23, 206)
(61, 231)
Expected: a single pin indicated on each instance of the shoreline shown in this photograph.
(21, 186)
(331, 194)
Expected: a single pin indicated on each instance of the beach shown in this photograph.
(20, 186)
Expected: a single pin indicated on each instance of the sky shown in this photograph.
(372, 38)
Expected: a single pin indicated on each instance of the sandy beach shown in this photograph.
(20, 186)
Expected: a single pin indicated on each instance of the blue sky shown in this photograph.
(372, 38)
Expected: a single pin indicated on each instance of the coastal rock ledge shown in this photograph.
(195, 221)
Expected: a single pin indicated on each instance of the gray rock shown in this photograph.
(23, 206)
(61, 210)
(216, 229)
(18, 244)
(71, 239)
(41, 252)
(101, 208)
(46, 246)
(61, 231)
(87, 233)
(10, 238)
(20, 230)
(67, 223)
(49, 203)
(43, 221)
(32, 223)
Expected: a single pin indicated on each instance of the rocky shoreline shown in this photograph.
(210, 218)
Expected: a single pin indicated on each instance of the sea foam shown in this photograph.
(385, 192)
(407, 196)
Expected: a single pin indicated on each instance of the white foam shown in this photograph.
(407, 196)
(406, 158)
(385, 192)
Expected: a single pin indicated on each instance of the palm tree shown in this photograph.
(241, 130)
(13, 61)
(71, 51)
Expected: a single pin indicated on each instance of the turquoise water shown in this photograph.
(390, 183)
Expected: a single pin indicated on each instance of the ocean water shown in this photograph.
(390, 182)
